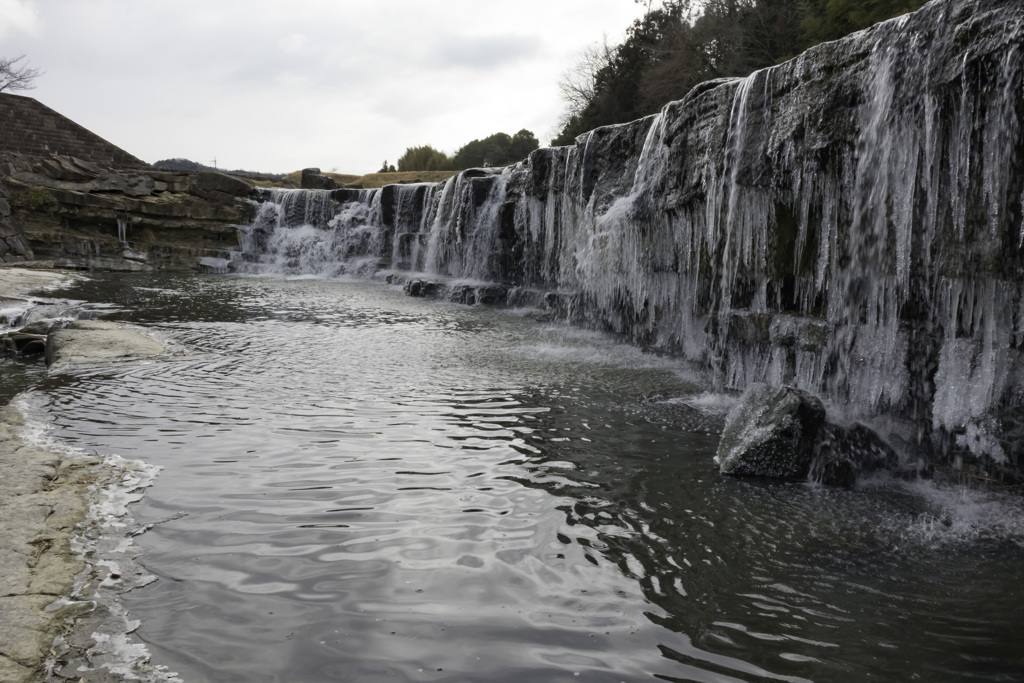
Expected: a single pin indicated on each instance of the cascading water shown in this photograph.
(309, 232)
(849, 222)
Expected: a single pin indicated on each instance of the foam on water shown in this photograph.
(713, 403)
(956, 515)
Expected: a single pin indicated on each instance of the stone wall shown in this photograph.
(30, 127)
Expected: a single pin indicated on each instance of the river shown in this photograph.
(361, 486)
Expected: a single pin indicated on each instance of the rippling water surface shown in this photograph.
(359, 486)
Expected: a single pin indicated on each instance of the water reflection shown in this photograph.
(368, 487)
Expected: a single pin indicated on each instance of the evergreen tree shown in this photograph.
(500, 149)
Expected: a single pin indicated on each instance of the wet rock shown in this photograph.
(783, 433)
(492, 295)
(522, 297)
(771, 432)
(425, 289)
(21, 344)
(463, 294)
(96, 340)
(42, 327)
(41, 503)
(346, 194)
(842, 453)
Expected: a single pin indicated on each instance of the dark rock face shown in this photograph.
(842, 453)
(783, 433)
(20, 343)
(13, 247)
(78, 214)
(487, 295)
(771, 432)
(205, 183)
(313, 179)
(847, 223)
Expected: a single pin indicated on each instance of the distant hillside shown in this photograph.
(189, 165)
(371, 180)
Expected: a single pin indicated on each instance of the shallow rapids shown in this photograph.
(361, 486)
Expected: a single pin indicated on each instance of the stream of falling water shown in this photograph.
(357, 485)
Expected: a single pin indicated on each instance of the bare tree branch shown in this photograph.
(15, 77)
(578, 84)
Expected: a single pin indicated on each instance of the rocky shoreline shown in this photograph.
(47, 497)
(44, 499)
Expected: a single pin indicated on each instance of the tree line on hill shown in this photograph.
(500, 149)
(681, 43)
(178, 164)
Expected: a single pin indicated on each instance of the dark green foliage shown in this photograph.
(523, 143)
(491, 151)
(499, 149)
(673, 48)
(424, 158)
(824, 20)
(616, 90)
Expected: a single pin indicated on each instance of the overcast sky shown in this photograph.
(280, 85)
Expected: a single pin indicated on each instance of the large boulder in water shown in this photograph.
(92, 340)
(771, 432)
(313, 179)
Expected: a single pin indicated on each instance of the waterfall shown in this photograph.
(849, 222)
(315, 232)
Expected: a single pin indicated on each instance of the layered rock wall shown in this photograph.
(13, 247)
(78, 214)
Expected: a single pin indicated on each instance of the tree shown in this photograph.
(424, 158)
(831, 19)
(15, 77)
(578, 84)
(500, 149)
(491, 151)
(681, 43)
(616, 84)
(523, 143)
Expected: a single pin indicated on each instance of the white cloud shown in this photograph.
(276, 86)
(293, 42)
(484, 52)
(17, 16)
